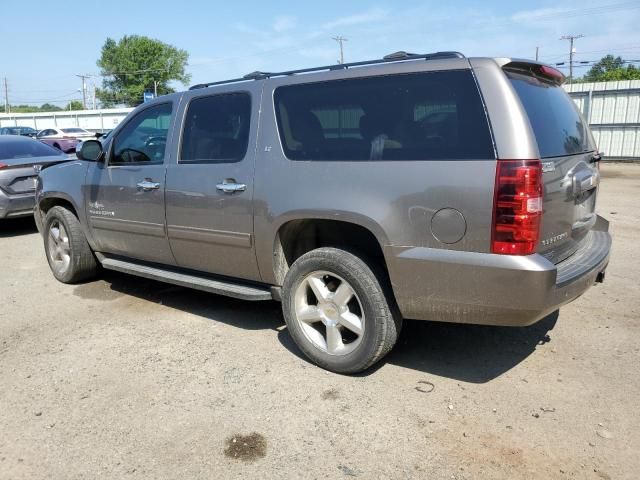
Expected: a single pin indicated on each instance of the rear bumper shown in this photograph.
(67, 145)
(481, 288)
(18, 205)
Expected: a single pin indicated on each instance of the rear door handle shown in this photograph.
(230, 186)
(147, 184)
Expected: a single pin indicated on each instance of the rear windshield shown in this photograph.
(418, 116)
(16, 150)
(555, 119)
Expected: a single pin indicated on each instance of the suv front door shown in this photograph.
(209, 194)
(125, 197)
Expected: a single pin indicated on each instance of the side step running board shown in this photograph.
(219, 287)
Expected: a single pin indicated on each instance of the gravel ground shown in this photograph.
(125, 377)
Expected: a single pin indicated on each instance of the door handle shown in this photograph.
(230, 186)
(147, 184)
(584, 180)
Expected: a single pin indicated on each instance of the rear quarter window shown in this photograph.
(418, 116)
(557, 124)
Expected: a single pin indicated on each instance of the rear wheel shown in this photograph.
(339, 310)
(68, 253)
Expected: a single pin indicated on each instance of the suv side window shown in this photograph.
(416, 116)
(144, 138)
(216, 129)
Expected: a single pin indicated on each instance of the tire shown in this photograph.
(68, 253)
(336, 334)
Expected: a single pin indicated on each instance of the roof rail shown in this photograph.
(392, 57)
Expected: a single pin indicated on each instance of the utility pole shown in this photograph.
(340, 39)
(93, 95)
(155, 89)
(84, 90)
(571, 38)
(7, 105)
(537, 51)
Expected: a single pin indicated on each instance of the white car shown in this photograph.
(64, 139)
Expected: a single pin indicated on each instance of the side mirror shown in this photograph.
(91, 150)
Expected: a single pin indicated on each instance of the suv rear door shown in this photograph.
(125, 194)
(209, 195)
(568, 154)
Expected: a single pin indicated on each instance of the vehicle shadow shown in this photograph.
(237, 313)
(469, 353)
(13, 227)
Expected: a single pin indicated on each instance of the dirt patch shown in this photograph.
(246, 448)
(98, 290)
(331, 394)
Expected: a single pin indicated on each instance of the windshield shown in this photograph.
(18, 150)
(73, 130)
(558, 126)
(20, 130)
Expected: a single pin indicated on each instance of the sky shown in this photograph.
(45, 44)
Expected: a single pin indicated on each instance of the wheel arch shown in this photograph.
(298, 235)
(59, 199)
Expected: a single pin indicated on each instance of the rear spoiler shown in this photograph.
(536, 69)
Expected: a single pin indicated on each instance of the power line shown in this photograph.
(591, 63)
(56, 99)
(137, 72)
(553, 56)
(609, 8)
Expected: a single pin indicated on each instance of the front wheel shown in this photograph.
(68, 253)
(339, 311)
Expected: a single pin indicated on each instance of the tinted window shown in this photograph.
(22, 130)
(555, 119)
(74, 130)
(216, 129)
(26, 149)
(144, 137)
(420, 116)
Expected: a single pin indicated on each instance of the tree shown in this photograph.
(47, 107)
(132, 66)
(74, 105)
(611, 68)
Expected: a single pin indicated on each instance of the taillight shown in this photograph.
(517, 207)
(552, 73)
(3, 165)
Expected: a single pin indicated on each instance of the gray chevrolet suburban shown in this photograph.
(432, 187)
